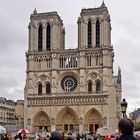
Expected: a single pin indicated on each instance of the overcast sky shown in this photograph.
(14, 20)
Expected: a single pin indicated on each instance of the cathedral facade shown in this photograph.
(71, 89)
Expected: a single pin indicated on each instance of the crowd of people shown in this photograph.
(125, 132)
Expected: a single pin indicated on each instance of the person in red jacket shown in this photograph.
(107, 138)
(62, 136)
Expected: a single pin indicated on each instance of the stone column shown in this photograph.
(81, 126)
(53, 125)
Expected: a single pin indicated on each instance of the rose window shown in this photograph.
(69, 83)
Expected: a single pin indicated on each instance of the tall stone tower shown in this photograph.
(71, 89)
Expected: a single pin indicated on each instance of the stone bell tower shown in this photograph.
(94, 28)
(46, 32)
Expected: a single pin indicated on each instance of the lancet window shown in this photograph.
(97, 33)
(89, 34)
(98, 87)
(40, 37)
(40, 89)
(90, 87)
(48, 37)
(48, 89)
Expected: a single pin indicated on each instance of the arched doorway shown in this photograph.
(92, 120)
(41, 122)
(67, 120)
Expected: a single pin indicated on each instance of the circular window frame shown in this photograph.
(69, 83)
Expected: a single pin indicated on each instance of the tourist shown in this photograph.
(117, 137)
(126, 128)
(20, 136)
(5, 136)
(24, 137)
(47, 137)
(112, 137)
(107, 138)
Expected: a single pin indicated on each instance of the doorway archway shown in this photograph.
(41, 122)
(92, 120)
(67, 120)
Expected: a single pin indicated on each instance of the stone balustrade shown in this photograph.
(67, 100)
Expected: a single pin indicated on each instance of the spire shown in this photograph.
(119, 75)
(35, 11)
(103, 4)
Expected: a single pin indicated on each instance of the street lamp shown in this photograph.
(123, 107)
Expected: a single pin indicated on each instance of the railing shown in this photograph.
(68, 100)
(68, 59)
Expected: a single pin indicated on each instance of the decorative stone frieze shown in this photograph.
(68, 100)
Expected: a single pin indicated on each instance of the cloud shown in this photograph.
(13, 93)
(15, 16)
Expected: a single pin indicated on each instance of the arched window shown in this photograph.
(39, 89)
(89, 34)
(90, 87)
(97, 33)
(48, 89)
(48, 37)
(40, 29)
(98, 87)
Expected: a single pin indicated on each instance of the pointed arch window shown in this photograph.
(39, 89)
(48, 89)
(97, 33)
(98, 87)
(90, 87)
(40, 37)
(89, 34)
(48, 37)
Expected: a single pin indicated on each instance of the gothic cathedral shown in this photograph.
(71, 89)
